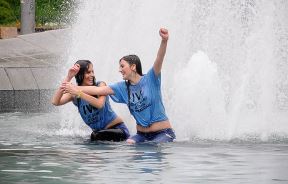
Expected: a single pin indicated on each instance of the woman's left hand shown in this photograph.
(73, 71)
(164, 34)
(68, 87)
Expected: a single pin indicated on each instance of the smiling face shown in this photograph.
(89, 76)
(126, 69)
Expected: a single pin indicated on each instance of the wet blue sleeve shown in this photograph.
(75, 102)
(155, 79)
(120, 92)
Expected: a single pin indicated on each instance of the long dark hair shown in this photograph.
(84, 65)
(133, 59)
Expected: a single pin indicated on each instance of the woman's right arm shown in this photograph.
(60, 97)
(161, 51)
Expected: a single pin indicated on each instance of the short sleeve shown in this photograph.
(155, 79)
(75, 102)
(120, 92)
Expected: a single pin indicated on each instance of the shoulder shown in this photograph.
(100, 83)
(118, 87)
(152, 77)
(118, 84)
(151, 73)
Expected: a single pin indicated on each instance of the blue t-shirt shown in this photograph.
(96, 119)
(145, 104)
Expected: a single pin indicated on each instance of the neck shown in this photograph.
(135, 79)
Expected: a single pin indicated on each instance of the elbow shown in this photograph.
(98, 106)
(55, 103)
(101, 106)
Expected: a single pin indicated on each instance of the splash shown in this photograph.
(225, 72)
(71, 123)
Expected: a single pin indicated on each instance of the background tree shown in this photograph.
(48, 12)
(7, 15)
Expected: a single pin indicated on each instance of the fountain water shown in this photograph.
(225, 72)
(224, 84)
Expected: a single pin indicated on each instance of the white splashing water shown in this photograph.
(225, 71)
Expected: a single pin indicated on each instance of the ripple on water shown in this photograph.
(50, 164)
(27, 171)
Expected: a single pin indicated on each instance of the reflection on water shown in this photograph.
(33, 151)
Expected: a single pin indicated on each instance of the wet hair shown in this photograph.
(133, 59)
(84, 65)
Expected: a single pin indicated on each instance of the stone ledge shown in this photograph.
(26, 100)
(27, 89)
(8, 32)
(7, 103)
(30, 70)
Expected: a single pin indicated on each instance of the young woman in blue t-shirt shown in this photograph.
(141, 93)
(95, 111)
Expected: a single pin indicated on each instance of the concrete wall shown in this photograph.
(30, 67)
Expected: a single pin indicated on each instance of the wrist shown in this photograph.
(79, 94)
(68, 79)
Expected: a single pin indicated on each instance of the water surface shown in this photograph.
(34, 150)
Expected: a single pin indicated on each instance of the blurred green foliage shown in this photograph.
(57, 12)
(7, 15)
(47, 12)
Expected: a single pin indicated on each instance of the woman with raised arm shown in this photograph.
(141, 93)
(95, 111)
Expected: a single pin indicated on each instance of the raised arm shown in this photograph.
(162, 51)
(60, 97)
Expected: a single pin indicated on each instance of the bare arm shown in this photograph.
(60, 97)
(161, 52)
(91, 90)
(96, 102)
